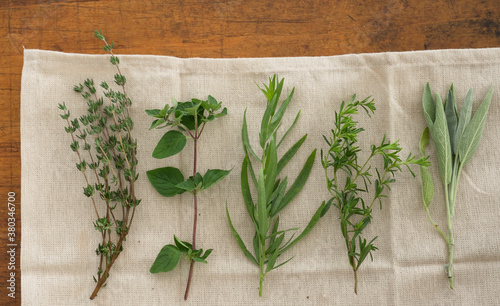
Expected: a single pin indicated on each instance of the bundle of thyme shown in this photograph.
(106, 150)
(348, 179)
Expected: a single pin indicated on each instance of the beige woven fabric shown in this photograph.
(58, 239)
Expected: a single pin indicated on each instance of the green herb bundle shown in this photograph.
(272, 195)
(350, 180)
(456, 139)
(187, 120)
(102, 140)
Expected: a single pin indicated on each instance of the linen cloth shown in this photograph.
(59, 241)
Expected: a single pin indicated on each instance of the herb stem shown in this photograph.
(195, 199)
(449, 269)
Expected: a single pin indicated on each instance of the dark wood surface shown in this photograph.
(219, 29)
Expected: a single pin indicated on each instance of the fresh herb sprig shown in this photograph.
(456, 139)
(269, 241)
(102, 139)
(348, 179)
(186, 120)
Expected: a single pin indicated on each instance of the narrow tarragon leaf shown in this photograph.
(463, 121)
(441, 139)
(245, 189)
(165, 179)
(167, 259)
(290, 128)
(299, 181)
(429, 106)
(170, 144)
(262, 220)
(244, 135)
(315, 218)
(240, 242)
(271, 167)
(425, 174)
(474, 130)
(290, 153)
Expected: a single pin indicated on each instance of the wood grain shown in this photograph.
(219, 29)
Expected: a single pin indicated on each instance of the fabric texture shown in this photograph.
(59, 241)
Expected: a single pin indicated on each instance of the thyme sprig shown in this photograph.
(106, 150)
(272, 195)
(350, 180)
(186, 120)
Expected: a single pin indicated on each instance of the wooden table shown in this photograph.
(219, 29)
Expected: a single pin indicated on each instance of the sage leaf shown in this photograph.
(441, 138)
(474, 130)
(164, 180)
(425, 174)
(170, 144)
(450, 109)
(463, 121)
(167, 259)
(429, 106)
(212, 176)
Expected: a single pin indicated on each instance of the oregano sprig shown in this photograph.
(106, 150)
(186, 121)
(350, 181)
(272, 195)
(456, 139)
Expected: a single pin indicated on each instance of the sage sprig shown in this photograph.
(350, 180)
(102, 139)
(272, 195)
(456, 139)
(186, 121)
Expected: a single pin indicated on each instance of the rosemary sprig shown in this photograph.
(104, 137)
(188, 120)
(456, 139)
(272, 197)
(348, 179)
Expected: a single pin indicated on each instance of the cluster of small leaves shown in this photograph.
(272, 195)
(102, 139)
(348, 180)
(185, 120)
(169, 256)
(456, 139)
(170, 181)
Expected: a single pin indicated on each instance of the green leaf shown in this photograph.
(262, 214)
(240, 242)
(299, 181)
(167, 259)
(165, 179)
(290, 128)
(183, 246)
(212, 176)
(157, 123)
(429, 106)
(170, 144)
(474, 130)
(425, 174)
(271, 167)
(441, 138)
(451, 116)
(153, 112)
(315, 218)
(463, 121)
(281, 111)
(245, 189)
(290, 153)
(244, 137)
(187, 185)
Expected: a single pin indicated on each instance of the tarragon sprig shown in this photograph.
(272, 195)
